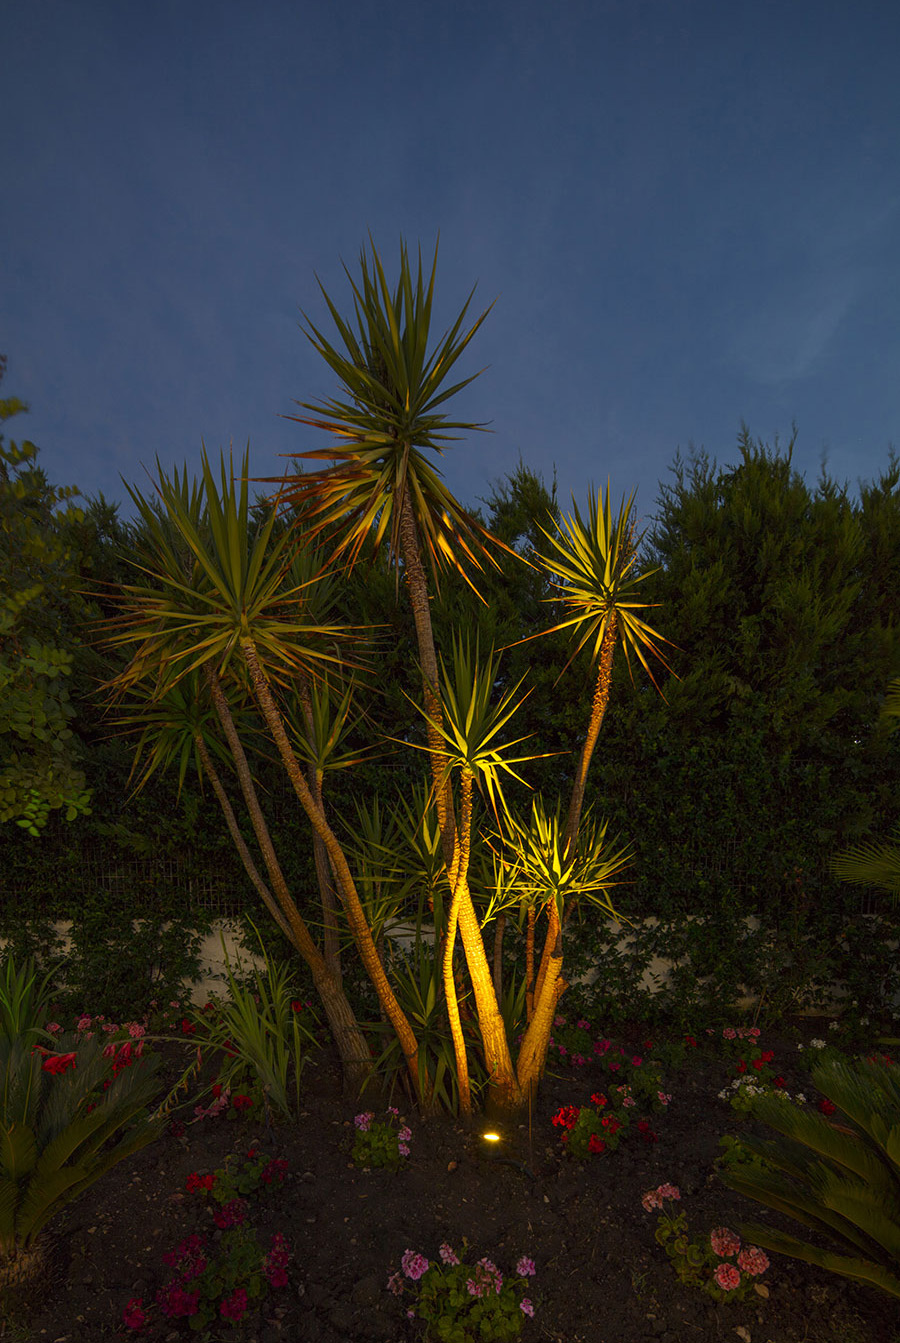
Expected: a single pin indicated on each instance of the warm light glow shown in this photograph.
(491, 1137)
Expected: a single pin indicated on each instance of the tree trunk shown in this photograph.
(499, 929)
(456, 1030)
(529, 963)
(353, 909)
(351, 1043)
(598, 710)
(331, 938)
(417, 586)
(240, 843)
(503, 1091)
(533, 1052)
(550, 984)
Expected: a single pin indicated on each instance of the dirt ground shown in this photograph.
(601, 1277)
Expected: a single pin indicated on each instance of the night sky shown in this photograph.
(688, 213)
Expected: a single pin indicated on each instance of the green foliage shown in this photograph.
(417, 981)
(38, 568)
(765, 756)
(24, 999)
(388, 423)
(876, 864)
(380, 1143)
(464, 1303)
(838, 1177)
(60, 1131)
(262, 1030)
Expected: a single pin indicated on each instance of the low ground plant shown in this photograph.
(69, 1111)
(262, 1034)
(717, 1264)
(380, 1142)
(463, 1303)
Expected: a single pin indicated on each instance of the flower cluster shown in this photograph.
(591, 1130)
(719, 1265)
(463, 1302)
(232, 1105)
(741, 1092)
(220, 1283)
(754, 1075)
(238, 1181)
(380, 1142)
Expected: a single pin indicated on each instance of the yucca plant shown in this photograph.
(218, 595)
(24, 998)
(418, 980)
(59, 1132)
(469, 728)
(839, 1176)
(259, 1030)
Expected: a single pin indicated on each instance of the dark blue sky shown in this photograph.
(689, 214)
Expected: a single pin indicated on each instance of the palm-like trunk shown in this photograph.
(456, 1030)
(331, 937)
(417, 585)
(352, 907)
(598, 710)
(529, 963)
(497, 957)
(240, 843)
(533, 1052)
(550, 984)
(350, 1041)
(503, 1091)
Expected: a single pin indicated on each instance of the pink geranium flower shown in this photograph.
(727, 1277)
(414, 1265)
(724, 1242)
(753, 1260)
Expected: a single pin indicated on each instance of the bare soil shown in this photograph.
(601, 1277)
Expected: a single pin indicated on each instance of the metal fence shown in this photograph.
(154, 883)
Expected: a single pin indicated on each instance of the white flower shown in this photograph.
(817, 1044)
(834, 1026)
(799, 1046)
(800, 1098)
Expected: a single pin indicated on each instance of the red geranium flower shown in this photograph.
(195, 1182)
(58, 1063)
(566, 1117)
(242, 1102)
(827, 1107)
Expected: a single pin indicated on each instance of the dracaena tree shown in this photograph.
(383, 487)
(214, 600)
(592, 563)
(470, 729)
